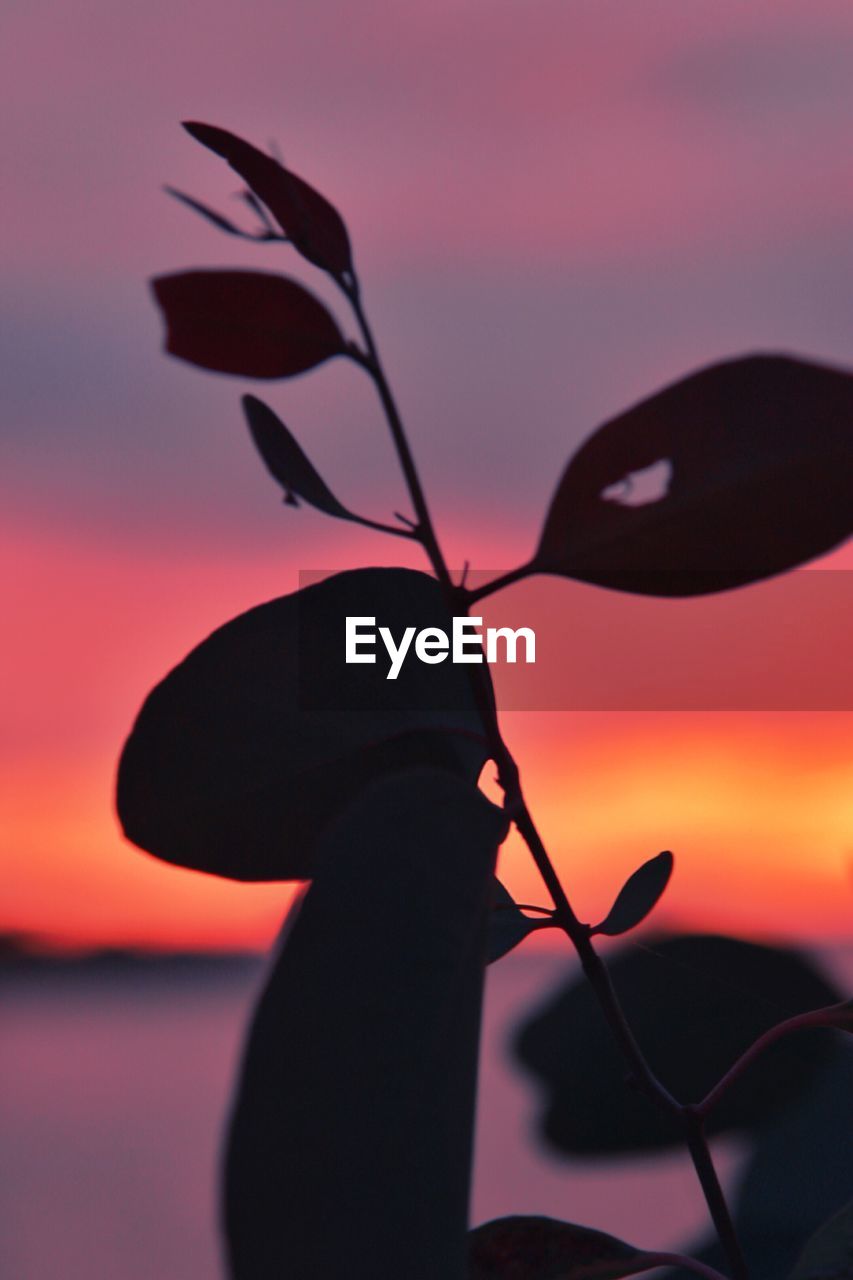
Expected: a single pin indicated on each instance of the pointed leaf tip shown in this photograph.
(638, 896)
(307, 218)
(251, 323)
(286, 462)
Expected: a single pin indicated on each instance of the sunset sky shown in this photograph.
(556, 208)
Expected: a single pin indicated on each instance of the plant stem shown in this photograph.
(516, 808)
(425, 528)
(383, 528)
(698, 1146)
(497, 584)
(800, 1022)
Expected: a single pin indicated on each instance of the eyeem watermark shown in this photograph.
(432, 645)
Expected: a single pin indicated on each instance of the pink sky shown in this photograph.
(556, 208)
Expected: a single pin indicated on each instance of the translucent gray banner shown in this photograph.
(780, 645)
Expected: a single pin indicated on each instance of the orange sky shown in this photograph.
(552, 218)
(756, 805)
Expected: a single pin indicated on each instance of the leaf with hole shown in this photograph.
(251, 745)
(638, 896)
(286, 462)
(761, 458)
(508, 925)
(252, 323)
(536, 1248)
(314, 226)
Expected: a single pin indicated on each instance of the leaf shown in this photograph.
(534, 1248)
(638, 896)
(286, 462)
(761, 451)
(350, 1143)
(218, 219)
(695, 1003)
(308, 219)
(246, 751)
(251, 323)
(508, 925)
(829, 1253)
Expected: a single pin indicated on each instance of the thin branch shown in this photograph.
(516, 809)
(426, 531)
(219, 220)
(384, 528)
(248, 197)
(698, 1147)
(497, 584)
(800, 1022)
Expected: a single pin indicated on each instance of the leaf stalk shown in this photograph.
(517, 811)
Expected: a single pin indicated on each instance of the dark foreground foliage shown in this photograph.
(262, 756)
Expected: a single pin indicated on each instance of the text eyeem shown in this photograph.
(432, 645)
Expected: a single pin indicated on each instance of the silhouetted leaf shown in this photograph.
(252, 744)
(695, 1004)
(508, 925)
(218, 220)
(638, 896)
(761, 451)
(534, 1248)
(829, 1253)
(286, 462)
(251, 323)
(350, 1145)
(308, 219)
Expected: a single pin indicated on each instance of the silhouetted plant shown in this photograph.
(263, 756)
(698, 1003)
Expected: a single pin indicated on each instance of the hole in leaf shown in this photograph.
(488, 783)
(639, 488)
